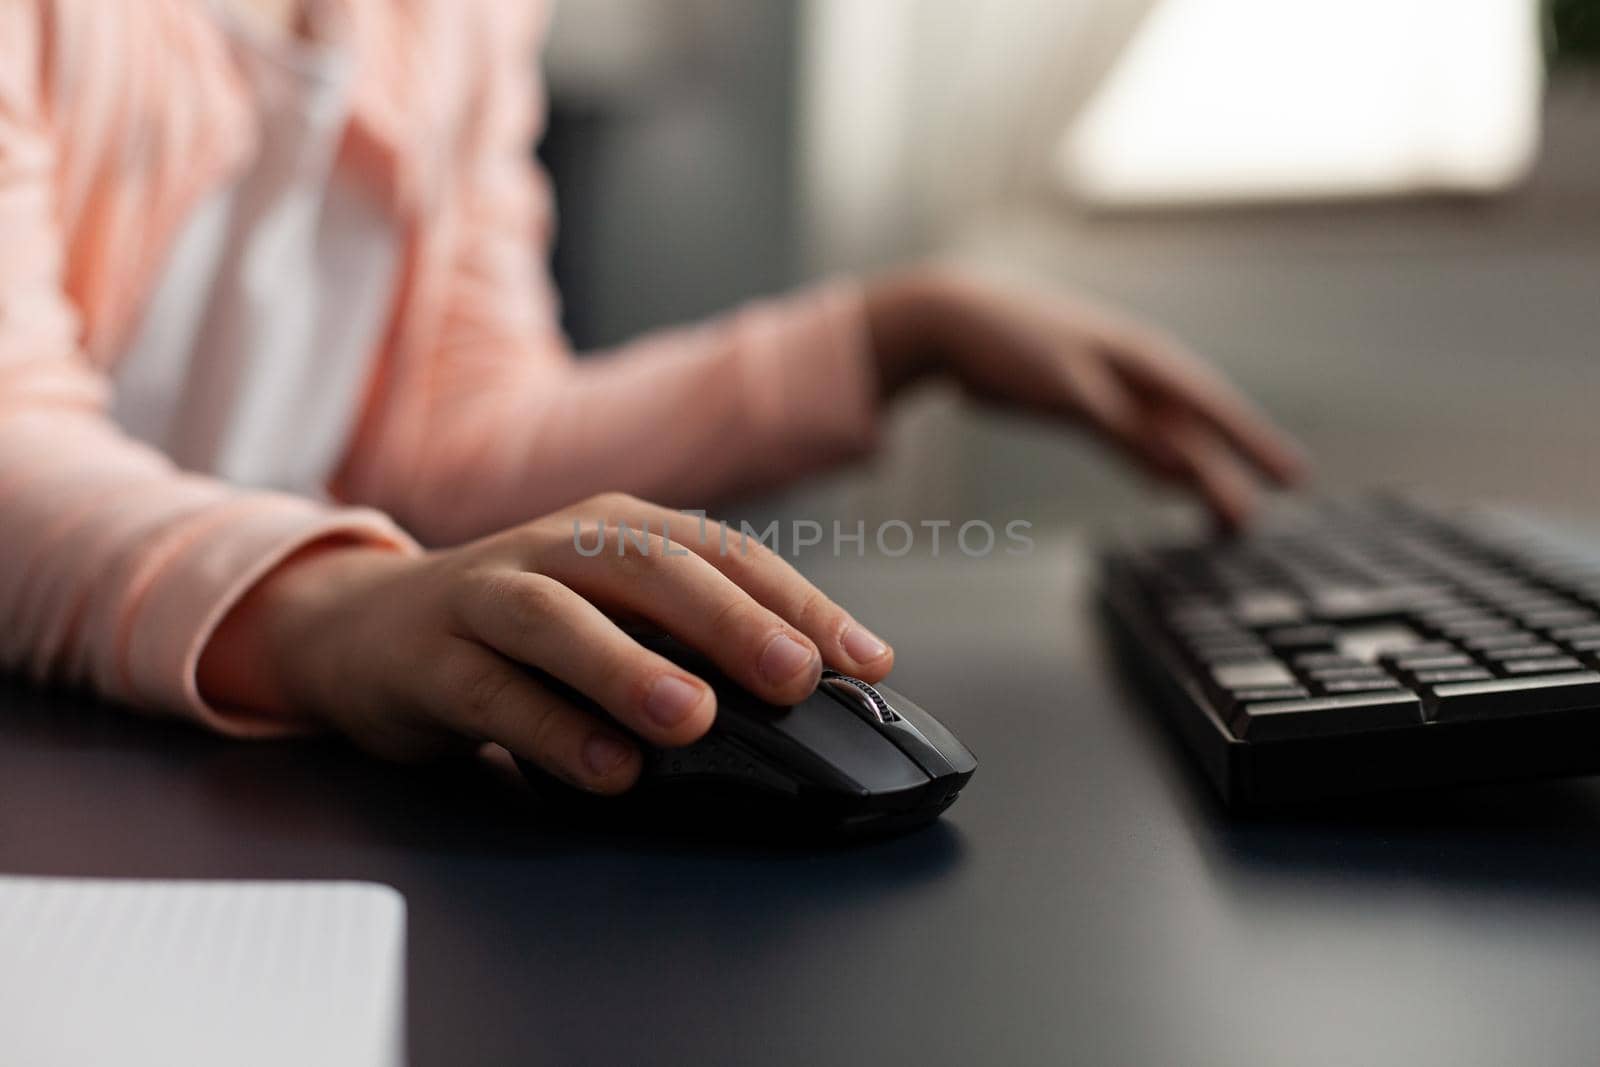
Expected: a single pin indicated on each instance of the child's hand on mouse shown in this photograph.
(1134, 386)
(414, 656)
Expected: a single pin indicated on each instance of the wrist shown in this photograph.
(274, 653)
(907, 312)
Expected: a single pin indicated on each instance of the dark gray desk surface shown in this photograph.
(1084, 902)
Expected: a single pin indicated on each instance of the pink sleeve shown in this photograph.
(510, 426)
(115, 567)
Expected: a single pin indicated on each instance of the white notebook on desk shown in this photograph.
(117, 972)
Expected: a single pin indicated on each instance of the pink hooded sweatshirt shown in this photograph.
(117, 117)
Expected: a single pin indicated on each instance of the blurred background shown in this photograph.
(1380, 217)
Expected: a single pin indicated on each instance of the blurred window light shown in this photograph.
(1228, 100)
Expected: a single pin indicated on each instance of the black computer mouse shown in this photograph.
(850, 758)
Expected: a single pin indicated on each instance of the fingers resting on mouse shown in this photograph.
(412, 656)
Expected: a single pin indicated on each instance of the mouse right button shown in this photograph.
(949, 747)
(826, 739)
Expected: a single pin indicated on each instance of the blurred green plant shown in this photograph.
(1572, 30)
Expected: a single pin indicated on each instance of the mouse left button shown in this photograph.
(715, 756)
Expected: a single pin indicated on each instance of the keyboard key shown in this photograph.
(1252, 674)
(1500, 655)
(1345, 674)
(1540, 620)
(1576, 633)
(1369, 642)
(1360, 685)
(1197, 621)
(1330, 601)
(1288, 719)
(1265, 693)
(1428, 650)
(1421, 595)
(1210, 647)
(1444, 608)
(1180, 607)
(1230, 636)
(1505, 697)
(1266, 608)
(1526, 605)
(1352, 604)
(1510, 639)
(1477, 627)
(1435, 663)
(1242, 653)
(1318, 661)
(1548, 665)
(1453, 674)
(1449, 616)
(1302, 637)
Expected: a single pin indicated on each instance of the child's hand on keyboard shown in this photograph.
(1134, 386)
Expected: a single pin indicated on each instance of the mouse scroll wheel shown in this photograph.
(866, 700)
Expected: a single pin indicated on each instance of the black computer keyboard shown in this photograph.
(1359, 646)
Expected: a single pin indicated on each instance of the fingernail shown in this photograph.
(783, 658)
(671, 700)
(603, 754)
(862, 646)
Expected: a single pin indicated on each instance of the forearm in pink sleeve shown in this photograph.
(117, 568)
(683, 416)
